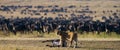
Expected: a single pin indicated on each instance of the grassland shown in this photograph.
(54, 35)
(95, 5)
(32, 44)
(33, 41)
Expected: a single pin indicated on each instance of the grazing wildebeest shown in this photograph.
(69, 37)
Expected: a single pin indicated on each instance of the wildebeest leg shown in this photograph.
(70, 43)
(75, 40)
(48, 31)
(75, 43)
(107, 31)
(81, 32)
(43, 31)
(63, 43)
(14, 32)
(21, 32)
(98, 32)
(24, 32)
(5, 31)
(31, 31)
(39, 32)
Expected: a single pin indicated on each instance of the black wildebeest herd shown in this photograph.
(82, 22)
(43, 24)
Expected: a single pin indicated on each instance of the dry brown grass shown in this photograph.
(34, 42)
(38, 45)
(36, 48)
(95, 5)
(54, 35)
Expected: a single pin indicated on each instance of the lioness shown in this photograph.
(69, 37)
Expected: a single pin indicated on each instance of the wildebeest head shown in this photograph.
(59, 32)
(63, 34)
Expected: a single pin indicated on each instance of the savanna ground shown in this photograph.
(86, 41)
(35, 42)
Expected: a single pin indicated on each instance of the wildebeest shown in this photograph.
(81, 22)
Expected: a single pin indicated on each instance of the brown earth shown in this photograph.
(87, 44)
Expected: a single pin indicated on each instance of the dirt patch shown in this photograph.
(82, 44)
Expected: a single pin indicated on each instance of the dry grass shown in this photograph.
(95, 5)
(36, 48)
(36, 44)
(54, 35)
(47, 48)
